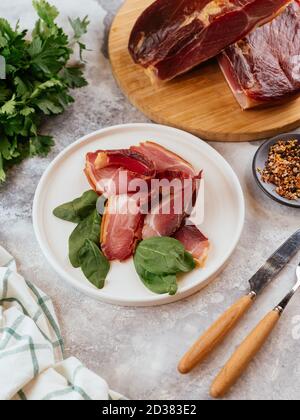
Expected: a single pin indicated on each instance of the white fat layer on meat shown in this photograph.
(151, 72)
(211, 9)
(242, 98)
(215, 7)
(201, 261)
(141, 41)
(239, 94)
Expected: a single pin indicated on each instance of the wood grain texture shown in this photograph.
(199, 102)
(215, 334)
(240, 360)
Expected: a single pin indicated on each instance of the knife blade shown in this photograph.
(275, 264)
(222, 327)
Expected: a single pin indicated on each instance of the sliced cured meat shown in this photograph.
(194, 242)
(121, 227)
(111, 172)
(104, 181)
(175, 204)
(124, 222)
(165, 221)
(164, 160)
(131, 160)
(173, 36)
(264, 68)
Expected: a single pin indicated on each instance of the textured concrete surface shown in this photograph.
(136, 350)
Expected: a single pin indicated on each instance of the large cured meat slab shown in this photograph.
(264, 68)
(173, 36)
(199, 101)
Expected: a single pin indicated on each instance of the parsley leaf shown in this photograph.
(9, 107)
(79, 28)
(46, 12)
(73, 77)
(40, 145)
(38, 82)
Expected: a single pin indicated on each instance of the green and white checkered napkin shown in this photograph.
(31, 347)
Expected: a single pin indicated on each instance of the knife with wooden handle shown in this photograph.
(222, 327)
(215, 334)
(242, 357)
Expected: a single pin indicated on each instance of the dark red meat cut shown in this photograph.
(194, 242)
(105, 170)
(264, 68)
(121, 227)
(173, 36)
(166, 219)
(131, 215)
(174, 206)
(163, 159)
(127, 159)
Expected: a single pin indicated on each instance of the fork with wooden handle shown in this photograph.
(242, 357)
(215, 334)
(222, 327)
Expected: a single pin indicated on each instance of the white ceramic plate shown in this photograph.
(64, 180)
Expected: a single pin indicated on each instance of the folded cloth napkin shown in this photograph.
(32, 366)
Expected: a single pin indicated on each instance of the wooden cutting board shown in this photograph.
(200, 102)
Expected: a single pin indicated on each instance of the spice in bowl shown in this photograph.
(283, 168)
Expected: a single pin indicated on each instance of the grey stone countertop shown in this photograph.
(137, 349)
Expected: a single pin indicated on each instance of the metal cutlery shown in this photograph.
(242, 357)
(221, 328)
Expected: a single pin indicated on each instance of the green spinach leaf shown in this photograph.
(158, 261)
(79, 209)
(164, 255)
(158, 283)
(94, 265)
(89, 228)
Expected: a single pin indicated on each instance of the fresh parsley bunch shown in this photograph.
(38, 82)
